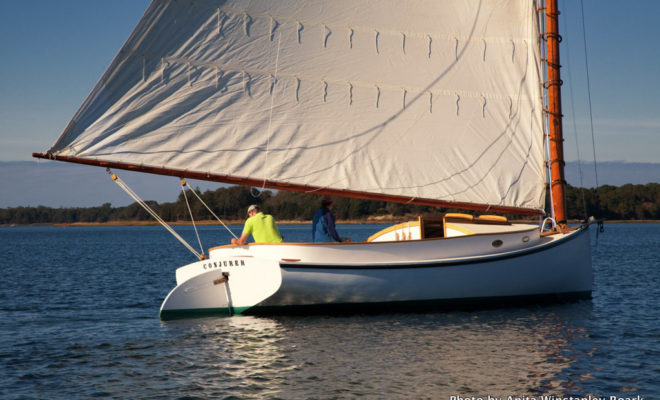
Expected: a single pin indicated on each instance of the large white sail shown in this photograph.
(421, 99)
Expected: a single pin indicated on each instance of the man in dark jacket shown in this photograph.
(323, 223)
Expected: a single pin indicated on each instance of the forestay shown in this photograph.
(423, 99)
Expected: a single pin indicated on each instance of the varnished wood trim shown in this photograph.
(290, 186)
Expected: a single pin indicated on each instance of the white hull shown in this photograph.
(390, 274)
(545, 269)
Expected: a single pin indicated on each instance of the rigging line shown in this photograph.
(212, 213)
(144, 205)
(586, 64)
(575, 132)
(192, 218)
(270, 116)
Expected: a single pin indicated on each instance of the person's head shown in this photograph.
(253, 210)
(326, 202)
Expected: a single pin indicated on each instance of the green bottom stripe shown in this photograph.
(466, 304)
(166, 315)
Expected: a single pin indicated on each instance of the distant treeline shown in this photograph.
(627, 202)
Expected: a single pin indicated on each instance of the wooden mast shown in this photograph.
(553, 85)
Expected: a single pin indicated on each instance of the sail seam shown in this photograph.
(245, 15)
(173, 62)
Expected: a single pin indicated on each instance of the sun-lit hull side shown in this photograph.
(559, 269)
(548, 268)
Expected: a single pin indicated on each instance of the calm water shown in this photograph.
(79, 311)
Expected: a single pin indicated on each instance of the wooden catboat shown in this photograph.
(447, 103)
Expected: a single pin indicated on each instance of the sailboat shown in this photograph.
(452, 104)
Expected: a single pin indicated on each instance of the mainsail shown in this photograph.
(415, 99)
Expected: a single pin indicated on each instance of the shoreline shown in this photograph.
(368, 221)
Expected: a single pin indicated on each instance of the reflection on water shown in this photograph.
(254, 341)
(499, 353)
(220, 357)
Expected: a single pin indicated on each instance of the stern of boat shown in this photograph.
(221, 286)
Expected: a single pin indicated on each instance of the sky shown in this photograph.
(623, 54)
(54, 52)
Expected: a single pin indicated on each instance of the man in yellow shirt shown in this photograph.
(261, 226)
